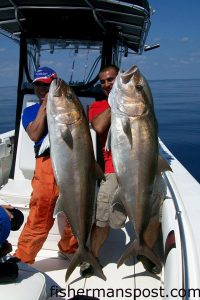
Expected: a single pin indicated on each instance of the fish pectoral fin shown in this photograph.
(127, 130)
(163, 165)
(99, 173)
(117, 198)
(67, 137)
(45, 145)
(76, 260)
(108, 141)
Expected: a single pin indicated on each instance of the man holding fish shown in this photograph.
(106, 215)
(70, 139)
(110, 211)
(45, 189)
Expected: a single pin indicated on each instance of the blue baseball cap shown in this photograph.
(5, 225)
(44, 74)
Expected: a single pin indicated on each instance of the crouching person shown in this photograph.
(10, 219)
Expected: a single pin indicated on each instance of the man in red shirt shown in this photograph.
(107, 214)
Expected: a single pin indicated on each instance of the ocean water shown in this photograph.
(177, 107)
(8, 100)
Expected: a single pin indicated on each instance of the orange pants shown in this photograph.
(40, 219)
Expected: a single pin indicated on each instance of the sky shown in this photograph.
(174, 25)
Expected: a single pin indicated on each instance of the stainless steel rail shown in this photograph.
(175, 194)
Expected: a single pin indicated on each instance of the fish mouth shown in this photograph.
(63, 115)
(127, 75)
(57, 83)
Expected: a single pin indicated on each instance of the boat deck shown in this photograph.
(180, 215)
(121, 283)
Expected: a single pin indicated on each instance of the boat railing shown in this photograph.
(7, 134)
(180, 218)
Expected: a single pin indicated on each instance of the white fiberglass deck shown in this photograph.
(121, 283)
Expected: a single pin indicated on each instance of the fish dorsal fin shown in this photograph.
(163, 165)
(108, 141)
(45, 145)
(127, 130)
(67, 137)
(98, 172)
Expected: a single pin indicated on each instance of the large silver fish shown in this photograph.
(74, 167)
(134, 146)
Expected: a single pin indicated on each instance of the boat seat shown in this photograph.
(25, 160)
(30, 284)
(17, 191)
(26, 163)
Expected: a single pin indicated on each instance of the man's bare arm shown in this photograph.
(36, 128)
(101, 122)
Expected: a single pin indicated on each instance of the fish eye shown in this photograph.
(69, 96)
(139, 87)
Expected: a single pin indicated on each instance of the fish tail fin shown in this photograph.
(137, 249)
(132, 250)
(76, 260)
(96, 265)
(84, 255)
(147, 252)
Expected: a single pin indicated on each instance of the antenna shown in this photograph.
(151, 47)
(73, 63)
(86, 63)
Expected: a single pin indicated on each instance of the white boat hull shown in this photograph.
(181, 243)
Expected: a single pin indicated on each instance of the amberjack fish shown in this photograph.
(74, 167)
(133, 139)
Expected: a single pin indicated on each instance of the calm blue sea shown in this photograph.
(177, 106)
